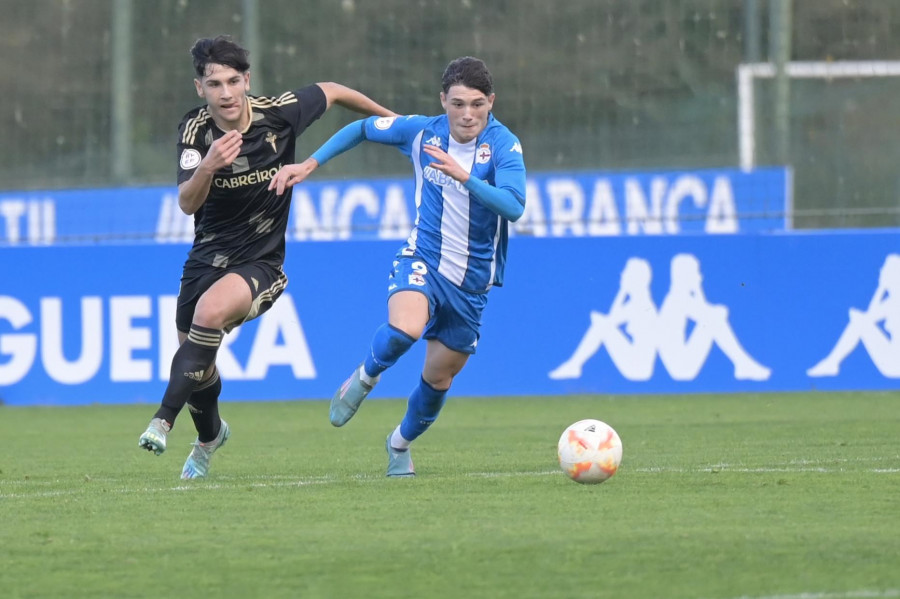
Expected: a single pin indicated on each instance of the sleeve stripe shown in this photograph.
(191, 127)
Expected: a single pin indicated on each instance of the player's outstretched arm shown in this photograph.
(292, 174)
(335, 93)
(345, 139)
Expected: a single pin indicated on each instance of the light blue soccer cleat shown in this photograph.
(197, 464)
(399, 462)
(154, 438)
(347, 399)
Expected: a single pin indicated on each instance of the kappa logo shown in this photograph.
(517, 147)
(434, 141)
(634, 331)
(483, 154)
(190, 158)
(875, 328)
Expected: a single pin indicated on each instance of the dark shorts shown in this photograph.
(266, 284)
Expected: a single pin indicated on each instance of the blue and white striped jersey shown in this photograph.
(454, 234)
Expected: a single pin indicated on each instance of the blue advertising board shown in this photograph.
(573, 204)
(622, 315)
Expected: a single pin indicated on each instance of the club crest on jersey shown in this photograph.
(483, 154)
(190, 158)
(271, 138)
(384, 122)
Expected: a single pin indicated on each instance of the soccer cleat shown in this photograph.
(399, 461)
(154, 438)
(347, 399)
(197, 463)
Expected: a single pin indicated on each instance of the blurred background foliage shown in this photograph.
(586, 84)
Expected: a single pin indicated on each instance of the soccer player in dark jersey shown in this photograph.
(228, 151)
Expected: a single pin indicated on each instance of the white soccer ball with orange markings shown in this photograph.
(590, 451)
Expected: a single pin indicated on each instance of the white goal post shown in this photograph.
(746, 73)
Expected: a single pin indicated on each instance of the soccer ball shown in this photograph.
(590, 451)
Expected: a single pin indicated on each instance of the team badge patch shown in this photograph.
(483, 154)
(385, 122)
(190, 158)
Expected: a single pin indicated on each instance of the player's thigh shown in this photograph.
(442, 364)
(408, 311)
(456, 321)
(411, 299)
(227, 300)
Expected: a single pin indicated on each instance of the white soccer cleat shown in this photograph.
(197, 463)
(154, 438)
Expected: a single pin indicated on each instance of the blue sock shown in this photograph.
(422, 410)
(388, 344)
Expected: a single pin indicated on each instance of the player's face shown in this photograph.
(225, 91)
(467, 109)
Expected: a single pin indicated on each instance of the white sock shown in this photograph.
(397, 440)
(364, 377)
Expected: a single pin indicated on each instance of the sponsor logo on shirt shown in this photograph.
(440, 179)
(254, 178)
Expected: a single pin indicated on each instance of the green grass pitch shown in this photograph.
(776, 496)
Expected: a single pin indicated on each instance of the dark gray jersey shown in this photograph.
(241, 220)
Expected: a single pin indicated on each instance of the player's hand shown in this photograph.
(292, 174)
(223, 151)
(445, 163)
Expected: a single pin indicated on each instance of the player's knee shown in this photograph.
(411, 328)
(211, 315)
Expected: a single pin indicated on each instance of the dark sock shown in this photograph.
(204, 408)
(189, 365)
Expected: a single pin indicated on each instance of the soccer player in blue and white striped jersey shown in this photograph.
(469, 184)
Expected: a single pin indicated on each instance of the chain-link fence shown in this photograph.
(93, 89)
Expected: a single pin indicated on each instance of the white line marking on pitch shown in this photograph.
(281, 481)
(861, 594)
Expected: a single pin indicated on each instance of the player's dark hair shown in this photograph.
(468, 71)
(219, 50)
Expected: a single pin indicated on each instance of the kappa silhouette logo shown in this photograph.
(434, 140)
(877, 328)
(634, 331)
